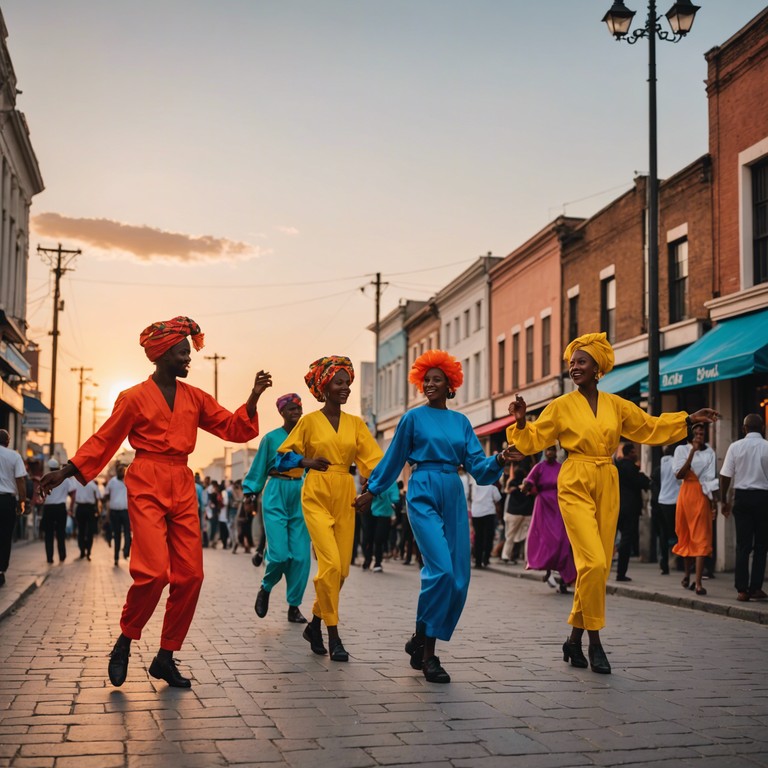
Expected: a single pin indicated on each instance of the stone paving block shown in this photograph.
(33, 738)
(365, 741)
(72, 748)
(209, 724)
(240, 751)
(525, 761)
(291, 745)
(419, 754)
(484, 724)
(556, 741)
(33, 762)
(95, 733)
(149, 743)
(338, 758)
(99, 761)
(203, 734)
(212, 760)
(635, 756)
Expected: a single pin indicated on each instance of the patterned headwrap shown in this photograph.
(323, 370)
(436, 358)
(597, 346)
(283, 400)
(158, 338)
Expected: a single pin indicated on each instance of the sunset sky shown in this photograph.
(252, 163)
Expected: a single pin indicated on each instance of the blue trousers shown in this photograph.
(437, 509)
(287, 538)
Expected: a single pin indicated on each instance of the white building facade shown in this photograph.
(20, 180)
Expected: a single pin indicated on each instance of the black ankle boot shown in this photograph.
(598, 660)
(572, 651)
(434, 672)
(415, 649)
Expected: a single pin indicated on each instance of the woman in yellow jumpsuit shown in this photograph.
(589, 425)
(326, 443)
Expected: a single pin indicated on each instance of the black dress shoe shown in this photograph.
(415, 649)
(598, 660)
(433, 672)
(295, 616)
(262, 603)
(623, 578)
(315, 639)
(339, 652)
(166, 670)
(572, 651)
(117, 669)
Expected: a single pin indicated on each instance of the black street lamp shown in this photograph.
(619, 19)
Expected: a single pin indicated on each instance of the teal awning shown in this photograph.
(624, 377)
(733, 348)
(632, 375)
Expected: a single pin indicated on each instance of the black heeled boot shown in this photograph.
(572, 651)
(598, 660)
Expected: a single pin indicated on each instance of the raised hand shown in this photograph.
(262, 381)
(704, 416)
(518, 409)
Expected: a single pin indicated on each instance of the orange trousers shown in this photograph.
(166, 549)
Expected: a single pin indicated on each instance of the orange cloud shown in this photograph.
(146, 243)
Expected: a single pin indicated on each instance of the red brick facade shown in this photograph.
(737, 87)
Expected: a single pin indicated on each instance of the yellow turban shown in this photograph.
(597, 346)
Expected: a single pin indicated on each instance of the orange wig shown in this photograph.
(436, 358)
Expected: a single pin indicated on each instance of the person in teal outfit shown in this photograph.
(435, 441)
(287, 537)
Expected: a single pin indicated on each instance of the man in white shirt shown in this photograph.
(117, 496)
(87, 498)
(13, 498)
(54, 520)
(485, 507)
(746, 462)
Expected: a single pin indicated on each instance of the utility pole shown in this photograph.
(376, 283)
(82, 381)
(215, 357)
(96, 411)
(63, 258)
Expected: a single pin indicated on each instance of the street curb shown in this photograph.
(23, 595)
(718, 608)
(731, 611)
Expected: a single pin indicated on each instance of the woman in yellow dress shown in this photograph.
(589, 425)
(326, 443)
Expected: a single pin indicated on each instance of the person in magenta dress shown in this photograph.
(548, 547)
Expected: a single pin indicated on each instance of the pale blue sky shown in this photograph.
(336, 138)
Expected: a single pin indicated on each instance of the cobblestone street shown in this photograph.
(687, 686)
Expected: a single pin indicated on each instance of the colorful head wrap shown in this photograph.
(597, 346)
(283, 400)
(158, 338)
(323, 370)
(436, 358)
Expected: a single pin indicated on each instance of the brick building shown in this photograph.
(526, 325)
(605, 267)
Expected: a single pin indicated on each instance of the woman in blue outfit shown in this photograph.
(435, 441)
(287, 537)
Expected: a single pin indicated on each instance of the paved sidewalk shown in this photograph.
(648, 584)
(688, 686)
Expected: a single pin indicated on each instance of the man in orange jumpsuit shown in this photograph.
(160, 418)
